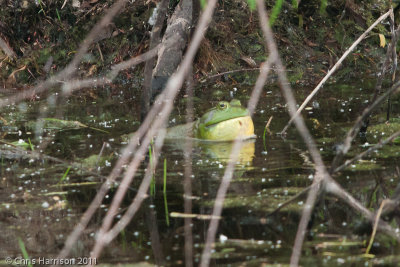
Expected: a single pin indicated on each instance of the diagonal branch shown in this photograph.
(366, 152)
(352, 133)
(162, 108)
(334, 68)
(70, 69)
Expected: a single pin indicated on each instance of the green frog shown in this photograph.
(225, 122)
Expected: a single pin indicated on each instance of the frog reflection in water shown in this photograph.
(225, 122)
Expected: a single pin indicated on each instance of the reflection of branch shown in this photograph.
(36, 155)
(331, 71)
(287, 202)
(334, 188)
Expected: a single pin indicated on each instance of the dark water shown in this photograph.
(41, 202)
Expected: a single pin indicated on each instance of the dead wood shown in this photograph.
(169, 57)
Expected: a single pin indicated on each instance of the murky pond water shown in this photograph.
(41, 199)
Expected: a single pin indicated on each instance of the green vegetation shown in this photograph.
(165, 193)
(24, 252)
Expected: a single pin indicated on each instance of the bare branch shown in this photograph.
(70, 86)
(165, 100)
(331, 71)
(369, 150)
(305, 218)
(334, 188)
(69, 70)
(187, 183)
(352, 133)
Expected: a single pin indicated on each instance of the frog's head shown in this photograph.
(226, 121)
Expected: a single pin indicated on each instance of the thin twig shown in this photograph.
(188, 172)
(227, 72)
(165, 100)
(378, 215)
(331, 71)
(380, 144)
(71, 68)
(321, 172)
(352, 133)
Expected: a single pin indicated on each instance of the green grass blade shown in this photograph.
(24, 252)
(203, 4)
(30, 145)
(165, 176)
(166, 209)
(275, 11)
(58, 15)
(252, 4)
(322, 8)
(65, 175)
(165, 193)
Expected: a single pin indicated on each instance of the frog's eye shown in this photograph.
(222, 105)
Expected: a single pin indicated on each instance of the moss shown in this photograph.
(363, 165)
